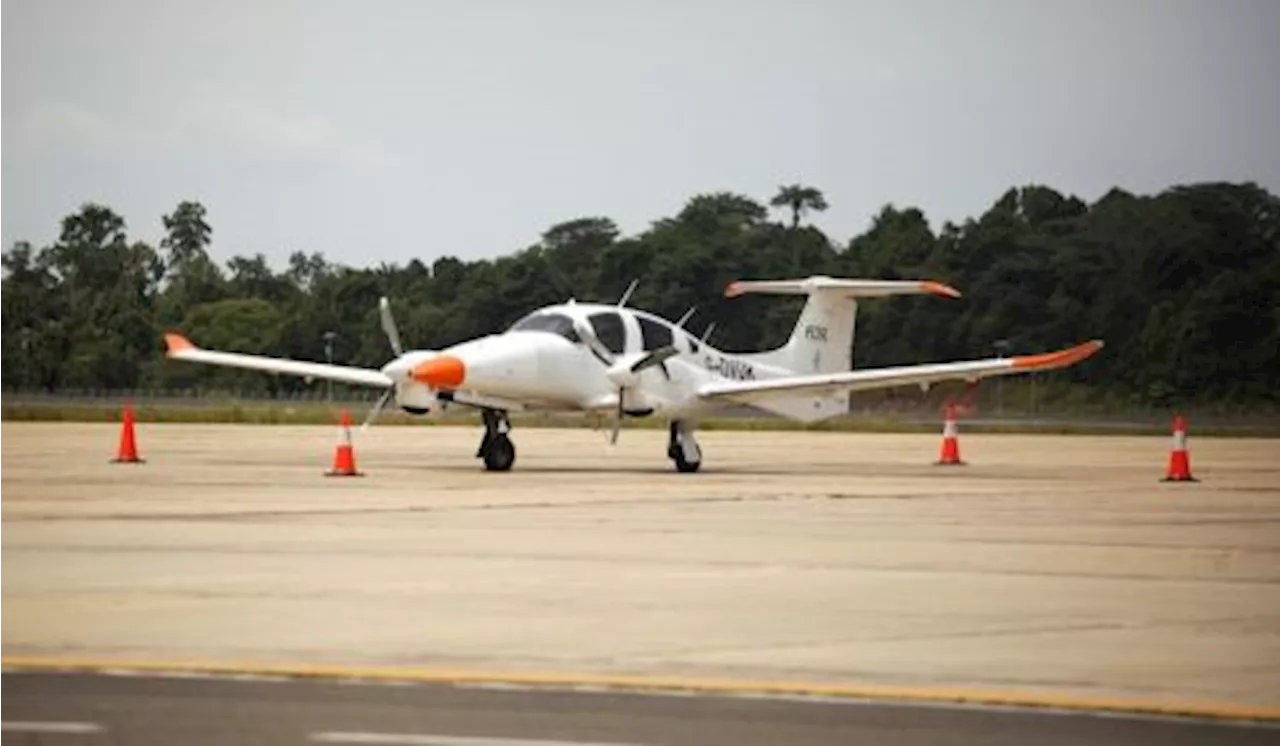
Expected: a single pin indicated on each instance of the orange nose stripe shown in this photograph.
(443, 372)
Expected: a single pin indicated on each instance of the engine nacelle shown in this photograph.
(418, 399)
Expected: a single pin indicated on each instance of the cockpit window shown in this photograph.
(609, 328)
(654, 333)
(554, 323)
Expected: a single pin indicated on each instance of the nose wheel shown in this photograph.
(496, 448)
(683, 449)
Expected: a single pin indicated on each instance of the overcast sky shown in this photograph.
(387, 130)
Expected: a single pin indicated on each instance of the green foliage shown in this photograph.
(1184, 286)
(799, 199)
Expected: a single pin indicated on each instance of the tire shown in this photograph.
(683, 465)
(499, 453)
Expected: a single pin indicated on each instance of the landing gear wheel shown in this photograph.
(499, 453)
(496, 448)
(683, 465)
(683, 449)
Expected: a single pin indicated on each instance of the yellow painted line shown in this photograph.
(873, 692)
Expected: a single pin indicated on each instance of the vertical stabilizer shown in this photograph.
(822, 340)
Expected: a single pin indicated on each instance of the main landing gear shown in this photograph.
(683, 449)
(496, 448)
(499, 453)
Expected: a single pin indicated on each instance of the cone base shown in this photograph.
(950, 463)
(1187, 478)
(127, 461)
(335, 473)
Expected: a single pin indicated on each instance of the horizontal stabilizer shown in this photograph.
(181, 348)
(845, 288)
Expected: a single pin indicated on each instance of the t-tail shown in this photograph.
(822, 340)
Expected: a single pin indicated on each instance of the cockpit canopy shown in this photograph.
(541, 321)
(609, 327)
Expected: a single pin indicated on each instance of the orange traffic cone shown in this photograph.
(1179, 469)
(344, 458)
(950, 439)
(127, 452)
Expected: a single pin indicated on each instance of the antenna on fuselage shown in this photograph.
(686, 316)
(707, 333)
(627, 295)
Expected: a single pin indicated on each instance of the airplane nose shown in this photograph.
(442, 372)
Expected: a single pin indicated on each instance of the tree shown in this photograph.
(188, 234)
(1184, 286)
(193, 277)
(799, 199)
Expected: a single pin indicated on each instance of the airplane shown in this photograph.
(600, 358)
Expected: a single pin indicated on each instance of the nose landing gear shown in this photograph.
(496, 448)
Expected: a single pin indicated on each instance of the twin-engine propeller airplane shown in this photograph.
(602, 358)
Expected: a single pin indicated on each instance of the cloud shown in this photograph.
(63, 124)
(270, 133)
(259, 131)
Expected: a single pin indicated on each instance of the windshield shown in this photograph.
(547, 322)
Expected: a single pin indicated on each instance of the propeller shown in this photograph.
(622, 373)
(389, 325)
(393, 336)
(377, 408)
(627, 377)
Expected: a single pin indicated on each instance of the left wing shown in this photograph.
(748, 392)
(181, 348)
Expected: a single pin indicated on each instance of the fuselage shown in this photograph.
(542, 361)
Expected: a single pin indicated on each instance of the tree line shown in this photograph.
(1183, 285)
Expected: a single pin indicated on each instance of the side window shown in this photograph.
(654, 334)
(608, 327)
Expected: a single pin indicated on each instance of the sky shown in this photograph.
(388, 130)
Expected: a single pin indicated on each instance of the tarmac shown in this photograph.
(1050, 571)
(93, 709)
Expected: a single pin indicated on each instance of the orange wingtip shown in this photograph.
(177, 343)
(733, 290)
(1059, 359)
(937, 288)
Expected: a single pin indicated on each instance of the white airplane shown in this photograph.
(610, 358)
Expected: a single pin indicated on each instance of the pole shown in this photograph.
(1001, 345)
(26, 357)
(328, 356)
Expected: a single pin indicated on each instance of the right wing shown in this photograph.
(748, 392)
(181, 348)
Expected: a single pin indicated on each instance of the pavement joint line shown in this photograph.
(50, 726)
(652, 684)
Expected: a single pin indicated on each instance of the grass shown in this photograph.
(272, 413)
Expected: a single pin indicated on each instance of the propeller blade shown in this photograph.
(389, 325)
(377, 408)
(593, 343)
(617, 420)
(656, 357)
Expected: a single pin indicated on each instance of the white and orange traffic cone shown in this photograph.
(950, 455)
(127, 451)
(1179, 469)
(344, 457)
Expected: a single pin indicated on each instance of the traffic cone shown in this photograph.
(950, 439)
(344, 458)
(1179, 469)
(127, 452)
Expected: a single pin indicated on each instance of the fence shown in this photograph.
(917, 410)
